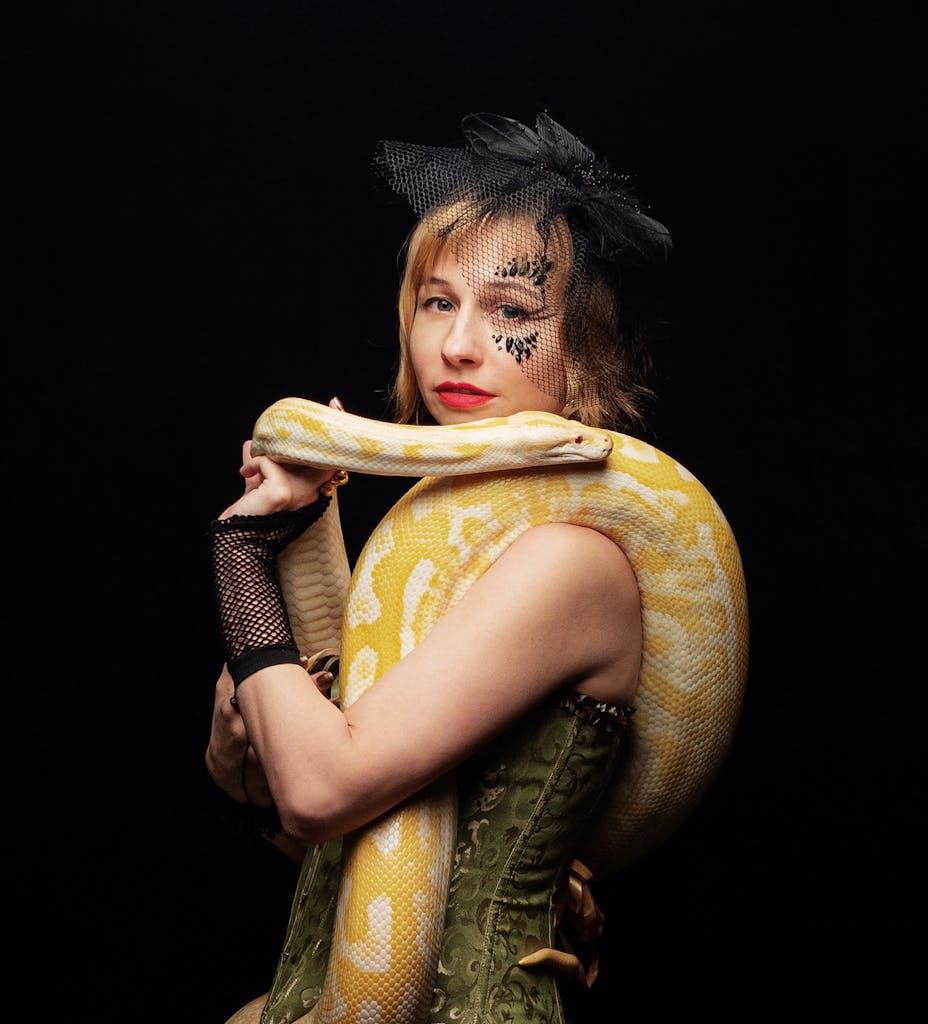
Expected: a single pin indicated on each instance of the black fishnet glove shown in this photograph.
(252, 615)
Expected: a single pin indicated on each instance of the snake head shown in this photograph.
(556, 439)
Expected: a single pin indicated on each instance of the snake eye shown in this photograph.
(578, 439)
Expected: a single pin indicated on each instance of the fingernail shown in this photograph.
(325, 678)
(337, 402)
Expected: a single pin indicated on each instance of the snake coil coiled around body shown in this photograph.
(481, 486)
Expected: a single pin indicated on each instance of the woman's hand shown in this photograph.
(234, 766)
(273, 487)
(230, 759)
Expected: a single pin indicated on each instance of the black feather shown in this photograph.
(550, 145)
(559, 140)
(492, 135)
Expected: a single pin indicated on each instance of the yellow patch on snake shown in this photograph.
(414, 451)
(363, 603)
(415, 591)
(361, 671)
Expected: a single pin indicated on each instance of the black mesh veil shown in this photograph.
(556, 248)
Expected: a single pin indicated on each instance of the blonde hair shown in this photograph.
(603, 386)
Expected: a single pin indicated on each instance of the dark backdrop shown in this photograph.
(195, 237)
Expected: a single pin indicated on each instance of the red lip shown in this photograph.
(461, 395)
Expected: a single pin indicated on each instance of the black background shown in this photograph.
(194, 236)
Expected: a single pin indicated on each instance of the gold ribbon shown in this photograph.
(578, 921)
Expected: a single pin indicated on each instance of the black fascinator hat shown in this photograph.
(600, 295)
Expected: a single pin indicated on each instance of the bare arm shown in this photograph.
(559, 609)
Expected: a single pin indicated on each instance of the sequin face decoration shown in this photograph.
(535, 270)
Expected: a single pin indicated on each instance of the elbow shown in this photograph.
(325, 799)
(311, 815)
(307, 829)
(309, 832)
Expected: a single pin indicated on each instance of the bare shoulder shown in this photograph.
(580, 585)
(576, 559)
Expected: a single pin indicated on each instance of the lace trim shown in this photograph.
(611, 717)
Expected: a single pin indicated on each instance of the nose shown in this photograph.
(466, 340)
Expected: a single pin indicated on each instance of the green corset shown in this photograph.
(524, 800)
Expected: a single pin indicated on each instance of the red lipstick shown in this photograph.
(462, 395)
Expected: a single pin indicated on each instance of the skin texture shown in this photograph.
(578, 626)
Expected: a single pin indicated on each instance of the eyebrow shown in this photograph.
(509, 284)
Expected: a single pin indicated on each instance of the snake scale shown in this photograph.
(483, 484)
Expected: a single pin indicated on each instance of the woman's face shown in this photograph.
(487, 337)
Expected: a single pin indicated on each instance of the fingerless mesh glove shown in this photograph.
(252, 615)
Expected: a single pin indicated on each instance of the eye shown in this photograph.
(508, 312)
(439, 304)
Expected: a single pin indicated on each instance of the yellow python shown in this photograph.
(484, 484)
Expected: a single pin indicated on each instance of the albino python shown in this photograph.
(483, 484)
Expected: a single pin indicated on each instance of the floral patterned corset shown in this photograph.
(524, 800)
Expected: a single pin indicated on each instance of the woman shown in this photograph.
(518, 294)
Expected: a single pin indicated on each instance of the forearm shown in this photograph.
(255, 625)
(313, 765)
